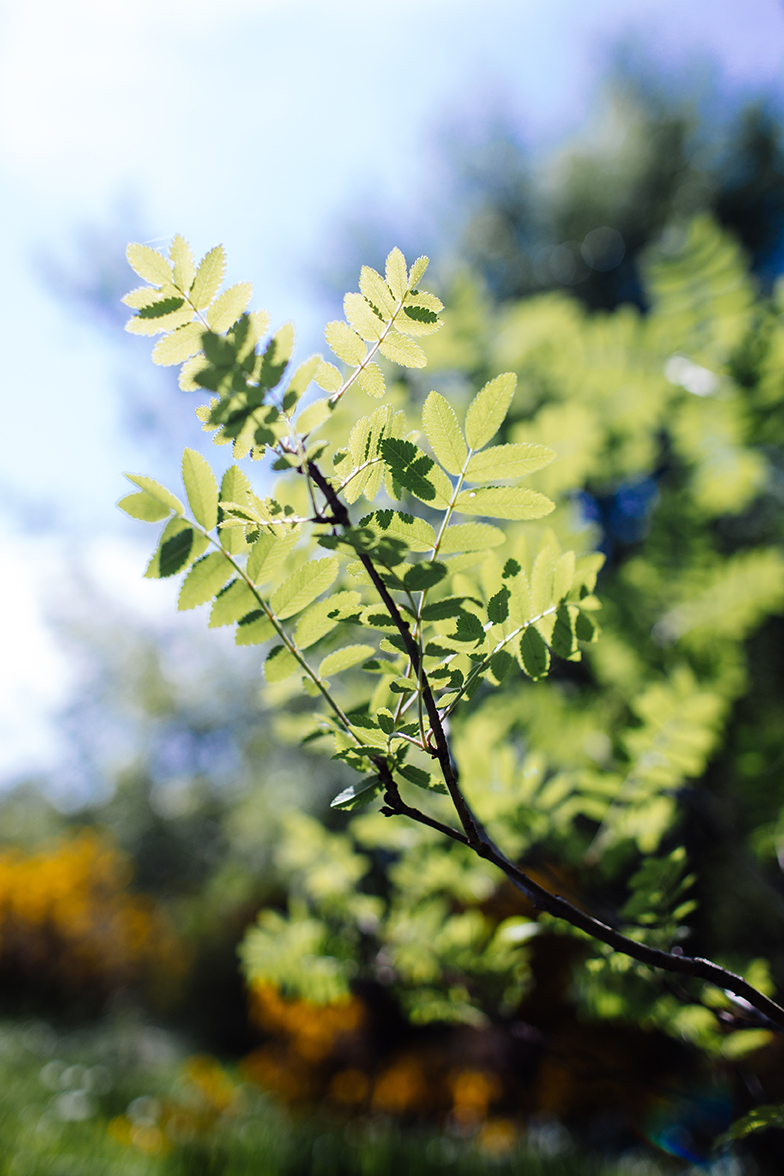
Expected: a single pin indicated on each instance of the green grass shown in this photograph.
(117, 1100)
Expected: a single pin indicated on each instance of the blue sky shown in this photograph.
(259, 123)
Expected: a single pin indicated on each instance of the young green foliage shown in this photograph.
(412, 613)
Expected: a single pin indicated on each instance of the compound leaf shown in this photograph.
(229, 307)
(346, 343)
(179, 345)
(182, 260)
(208, 278)
(508, 461)
(504, 502)
(344, 659)
(164, 496)
(443, 433)
(234, 602)
(204, 580)
(149, 264)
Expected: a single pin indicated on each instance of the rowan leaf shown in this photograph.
(328, 377)
(144, 506)
(149, 264)
(254, 629)
(280, 664)
(488, 409)
(229, 307)
(179, 345)
(535, 654)
(269, 553)
(363, 318)
(181, 258)
(444, 434)
(231, 604)
(417, 534)
(201, 488)
(371, 380)
(504, 502)
(323, 616)
(508, 461)
(235, 487)
(164, 496)
(344, 659)
(205, 579)
(417, 272)
(415, 471)
(303, 586)
(402, 350)
(276, 356)
(377, 292)
(208, 278)
(470, 537)
(346, 343)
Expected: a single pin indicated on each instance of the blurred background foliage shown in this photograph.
(630, 281)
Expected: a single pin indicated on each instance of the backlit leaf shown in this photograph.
(204, 580)
(357, 795)
(402, 350)
(504, 502)
(328, 377)
(362, 317)
(144, 506)
(269, 553)
(280, 664)
(397, 274)
(301, 588)
(346, 343)
(254, 629)
(179, 345)
(235, 601)
(488, 409)
(164, 496)
(377, 292)
(371, 380)
(415, 471)
(182, 260)
(443, 433)
(231, 304)
(471, 537)
(323, 616)
(417, 271)
(344, 659)
(149, 264)
(508, 461)
(201, 488)
(208, 278)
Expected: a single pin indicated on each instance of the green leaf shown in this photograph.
(254, 629)
(421, 576)
(234, 602)
(280, 664)
(415, 471)
(415, 533)
(201, 488)
(228, 308)
(344, 659)
(174, 527)
(564, 639)
(276, 356)
(149, 264)
(301, 588)
(206, 577)
(324, 616)
(471, 537)
(314, 415)
(504, 502)
(498, 606)
(235, 487)
(469, 628)
(346, 343)
(371, 381)
(377, 292)
(421, 778)
(417, 272)
(441, 610)
(402, 350)
(397, 274)
(328, 377)
(357, 795)
(443, 433)
(534, 653)
(164, 496)
(364, 320)
(144, 506)
(270, 552)
(488, 409)
(208, 278)
(508, 461)
(175, 553)
(585, 628)
(760, 1119)
(179, 345)
(182, 260)
(301, 381)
